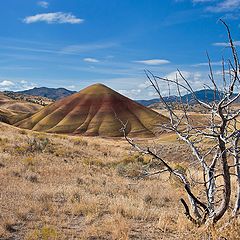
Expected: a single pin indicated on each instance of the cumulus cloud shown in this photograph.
(91, 60)
(24, 85)
(43, 4)
(154, 61)
(6, 83)
(16, 85)
(186, 74)
(51, 18)
(196, 80)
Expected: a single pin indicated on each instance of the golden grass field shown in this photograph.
(69, 187)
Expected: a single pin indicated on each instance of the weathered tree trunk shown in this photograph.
(237, 172)
(226, 183)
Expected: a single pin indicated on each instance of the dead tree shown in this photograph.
(219, 160)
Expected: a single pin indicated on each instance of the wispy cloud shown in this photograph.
(76, 49)
(226, 44)
(207, 64)
(30, 49)
(43, 4)
(219, 6)
(202, 1)
(53, 18)
(91, 60)
(229, 9)
(225, 6)
(68, 50)
(154, 61)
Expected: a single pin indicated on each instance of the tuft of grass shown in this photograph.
(80, 142)
(29, 161)
(44, 233)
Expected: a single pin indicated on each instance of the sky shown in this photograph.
(76, 43)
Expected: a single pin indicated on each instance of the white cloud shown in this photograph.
(91, 60)
(71, 87)
(131, 93)
(24, 85)
(43, 4)
(23, 81)
(195, 79)
(144, 85)
(224, 6)
(6, 83)
(51, 18)
(186, 74)
(230, 8)
(154, 94)
(154, 61)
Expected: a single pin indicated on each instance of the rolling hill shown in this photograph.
(12, 110)
(93, 112)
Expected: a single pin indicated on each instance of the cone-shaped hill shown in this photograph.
(93, 112)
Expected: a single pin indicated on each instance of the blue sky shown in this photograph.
(75, 43)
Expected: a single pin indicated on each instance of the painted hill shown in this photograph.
(52, 93)
(92, 112)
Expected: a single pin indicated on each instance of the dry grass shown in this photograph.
(60, 187)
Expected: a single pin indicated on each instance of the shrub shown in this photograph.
(37, 144)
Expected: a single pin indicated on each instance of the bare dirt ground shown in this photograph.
(66, 187)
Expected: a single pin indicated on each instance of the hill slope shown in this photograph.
(12, 110)
(52, 93)
(93, 112)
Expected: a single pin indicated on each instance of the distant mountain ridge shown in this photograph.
(205, 95)
(52, 93)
